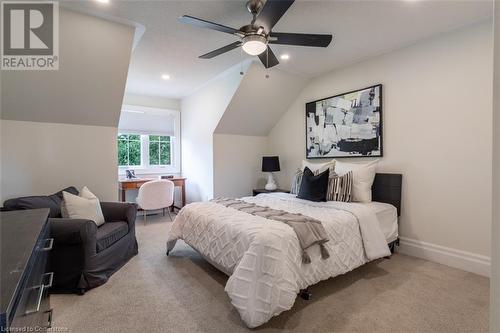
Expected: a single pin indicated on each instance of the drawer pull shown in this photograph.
(51, 279)
(48, 247)
(39, 302)
(49, 318)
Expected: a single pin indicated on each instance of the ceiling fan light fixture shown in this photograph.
(255, 37)
(254, 44)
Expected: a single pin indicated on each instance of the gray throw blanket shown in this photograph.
(309, 231)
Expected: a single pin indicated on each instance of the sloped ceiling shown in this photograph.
(87, 89)
(260, 101)
(361, 29)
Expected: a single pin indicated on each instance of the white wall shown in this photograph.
(43, 158)
(200, 115)
(59, 127)
(225, 126)
(437, 115)
(259, 102)
(237, 164)
(152, 101)
(87, 89)
(495, 230)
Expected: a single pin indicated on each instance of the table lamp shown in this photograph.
(270, 164)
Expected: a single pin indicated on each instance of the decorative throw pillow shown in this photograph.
(318, 168)
(339, 188)
(314, 187)
(363, 176)
(86, 206)
(296, 180)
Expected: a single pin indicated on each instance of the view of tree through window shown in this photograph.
(151, 150)
(129, 150)
(159, 150)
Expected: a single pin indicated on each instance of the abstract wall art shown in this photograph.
(346, 125)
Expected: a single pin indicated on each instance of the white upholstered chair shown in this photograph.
(156, 194)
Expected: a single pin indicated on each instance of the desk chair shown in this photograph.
(156, 194)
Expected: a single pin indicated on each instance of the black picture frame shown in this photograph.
(352, 147)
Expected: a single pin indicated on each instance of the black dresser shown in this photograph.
(24, 281)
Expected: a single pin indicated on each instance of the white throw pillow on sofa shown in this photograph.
(363, 175)
(85, 206)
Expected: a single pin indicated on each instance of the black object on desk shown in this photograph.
(24, 281)
(263, 190)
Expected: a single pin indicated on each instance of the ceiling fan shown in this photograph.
(255, 37)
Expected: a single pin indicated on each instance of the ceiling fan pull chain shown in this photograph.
(267, 63)
(241, 62)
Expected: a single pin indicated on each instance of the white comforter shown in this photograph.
(263, 257)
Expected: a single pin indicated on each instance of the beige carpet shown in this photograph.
(183, 293)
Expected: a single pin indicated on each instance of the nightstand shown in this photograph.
(262, 190)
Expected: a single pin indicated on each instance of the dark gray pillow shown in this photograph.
(53, 202)
(313, 187)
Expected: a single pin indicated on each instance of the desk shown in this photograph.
(135, 183)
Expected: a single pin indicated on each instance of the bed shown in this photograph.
(263, 257)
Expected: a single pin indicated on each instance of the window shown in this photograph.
(149, 140)
(129, 150)
(159, 150)
(144, 151)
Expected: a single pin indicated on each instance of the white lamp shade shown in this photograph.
(254, 45)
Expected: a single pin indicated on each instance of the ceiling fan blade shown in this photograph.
(268, 58)
(206, 24)
(220, 51)
(300, 39)
(272, 12)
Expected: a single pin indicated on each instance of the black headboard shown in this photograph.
(387, 188)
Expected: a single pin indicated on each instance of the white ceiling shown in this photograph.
(259, 102)
(361, 29)
(88, 87)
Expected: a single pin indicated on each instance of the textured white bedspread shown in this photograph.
(263, 257)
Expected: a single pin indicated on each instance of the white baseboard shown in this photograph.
(466, 261)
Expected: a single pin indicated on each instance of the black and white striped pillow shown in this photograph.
(296, 181)
(340, 188)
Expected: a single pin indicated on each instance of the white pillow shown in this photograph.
(320, 167)
(363, 175)
(86, 206)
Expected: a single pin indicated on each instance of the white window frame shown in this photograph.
(146, 138)
(175, 146)
(128, 151)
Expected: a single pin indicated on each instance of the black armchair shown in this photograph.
(84, 256)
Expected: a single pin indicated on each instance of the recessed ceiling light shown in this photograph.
(165, 77)
(102, 1)
(285, 57)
